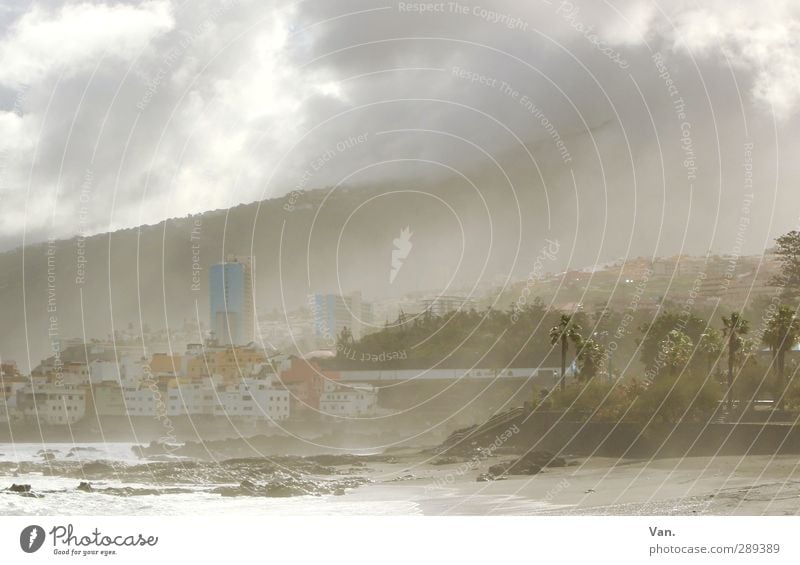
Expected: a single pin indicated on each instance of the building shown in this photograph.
(144, 401)
(441, 305)
(254, 399)
(107, 399)
(9, 387)
(333, 312)
(75, 373)
(52, 404)
(231, 363)
(195, 398)
(231, 301)
(305, 380)
(351, 400)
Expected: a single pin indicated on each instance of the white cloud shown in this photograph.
(761, 40)
(42, 42)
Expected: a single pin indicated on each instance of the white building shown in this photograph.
(192, 399)
(143, 401)
(254, 398)
(103, 371)
(8, 395)
(441, 305)
(52, 404)
(354, 399)
(76, 374)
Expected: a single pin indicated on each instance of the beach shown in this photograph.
(116, 482)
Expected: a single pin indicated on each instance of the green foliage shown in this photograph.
(734, 327)
(561, 334)
(781, 334)
(674, 353)
(599, 400)
(682, 398)
(788, 250)
(590, 359)
(655, 333)
(489, 338)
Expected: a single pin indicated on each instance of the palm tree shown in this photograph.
(781, 334)
(565, 331)
(734, 327)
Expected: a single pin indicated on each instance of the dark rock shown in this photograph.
(19, 488)
(447, 460)
(23, 490)
(544, 459)
(85, 487)
(97, 468)
(518, 467)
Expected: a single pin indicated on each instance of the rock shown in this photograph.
(85, 487)
(19, 488)
(518, 467)
(23, 490)
(486, 477)
(446, 460)
(497, 470)
(97, 468)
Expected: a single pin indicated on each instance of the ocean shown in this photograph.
(122, 484)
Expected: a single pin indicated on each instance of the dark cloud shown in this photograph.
(208, 105)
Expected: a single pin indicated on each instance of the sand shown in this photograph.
(750, 485)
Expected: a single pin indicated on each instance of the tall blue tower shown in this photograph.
(231, 301)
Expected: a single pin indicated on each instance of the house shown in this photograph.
(257, 399)
(350, 400)
(52, 404)
(305, 380)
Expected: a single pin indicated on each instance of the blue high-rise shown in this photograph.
(231, 301)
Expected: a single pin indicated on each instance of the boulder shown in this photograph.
(19, 488)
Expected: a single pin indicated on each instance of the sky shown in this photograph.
(674, 122)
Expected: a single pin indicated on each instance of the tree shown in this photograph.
(734, 327)
(566, 331)
(788, 251)
(344, 342)
(676, 350)
(781, 334)
(710, 346)
(655, 332)
(590, 359)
